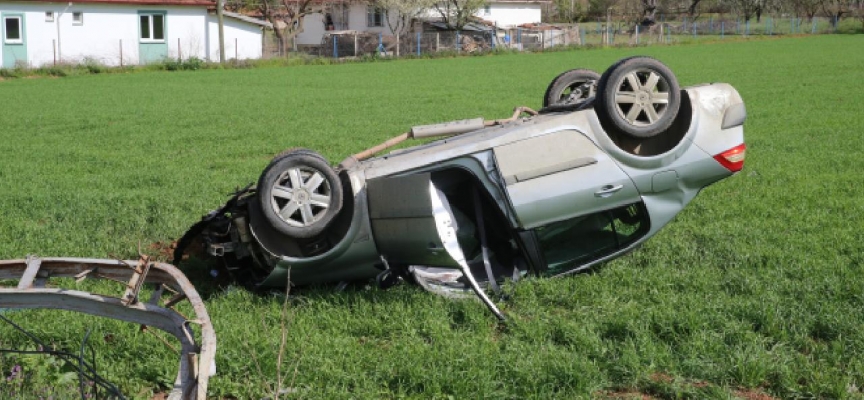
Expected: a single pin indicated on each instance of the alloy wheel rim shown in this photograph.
(301, 196)
(642, 97)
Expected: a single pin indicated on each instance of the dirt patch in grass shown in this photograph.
(753, 394)
(162, 251)
(624, 395)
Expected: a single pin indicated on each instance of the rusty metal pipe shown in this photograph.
(439, 130)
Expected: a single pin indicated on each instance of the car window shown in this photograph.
(571, 243)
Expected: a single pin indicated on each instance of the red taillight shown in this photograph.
(733, 159)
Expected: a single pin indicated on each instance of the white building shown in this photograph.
(508, 14)
(363, 17)
(112, 32)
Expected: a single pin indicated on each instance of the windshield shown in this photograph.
(569, 244)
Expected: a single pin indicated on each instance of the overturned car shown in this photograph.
(604, 165)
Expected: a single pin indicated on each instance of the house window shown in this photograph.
(49, 16)
(12, 27)
(77, 18)
(374, 16)
(152, 28)
(487, 9)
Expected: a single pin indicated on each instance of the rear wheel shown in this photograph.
(571, 87)
(638, 96)
(299, 193)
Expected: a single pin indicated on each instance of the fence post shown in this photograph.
(236, 50)
(437, 41)
(582, 36)
(458, 43)
(747, 23)
(355, 45)
(694, 30)
(722, 29)
(814, 26)
(380, 43)
(121, 53)
(835, 24)
(335, 44)
(637, 34)
(519, 38)
(668, 36)
(542, 40)
(418, 43)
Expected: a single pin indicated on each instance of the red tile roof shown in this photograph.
(202, 3)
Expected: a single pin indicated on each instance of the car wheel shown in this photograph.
(299, 193)
(571, 87)
(638, 96)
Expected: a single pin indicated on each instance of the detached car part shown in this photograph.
(607, 162)
(37, 289)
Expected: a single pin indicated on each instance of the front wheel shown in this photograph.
(300, 194)
(639, 97)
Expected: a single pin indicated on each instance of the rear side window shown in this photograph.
(569, 244)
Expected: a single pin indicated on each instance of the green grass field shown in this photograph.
(758, 286)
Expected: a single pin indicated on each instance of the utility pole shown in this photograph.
(220, 5)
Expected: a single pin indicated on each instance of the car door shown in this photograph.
(560, 176)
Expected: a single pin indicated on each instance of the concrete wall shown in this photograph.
(189, 31)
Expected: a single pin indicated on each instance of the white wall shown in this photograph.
(188, 30)
(509, 14)
(314, 30)
(242, 39)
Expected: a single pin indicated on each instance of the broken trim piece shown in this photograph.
(196, 359)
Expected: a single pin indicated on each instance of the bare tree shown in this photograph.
(858, 12)
(747, 9)
(806, 8)
(287, 17)
(570, 10)
(649, 12)
(836, 9)
(458, 13)
(400, 14)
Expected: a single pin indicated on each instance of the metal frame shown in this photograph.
(32, 292)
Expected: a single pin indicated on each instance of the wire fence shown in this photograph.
(595, 33)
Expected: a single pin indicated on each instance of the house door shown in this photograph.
(14, 40)
(152, 46)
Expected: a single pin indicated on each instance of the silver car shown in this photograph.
(603, 166)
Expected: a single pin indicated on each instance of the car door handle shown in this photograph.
(608, 190)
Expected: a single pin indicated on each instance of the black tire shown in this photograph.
(313, 207)
(652, 110)
(561, 88)
(296, 150)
